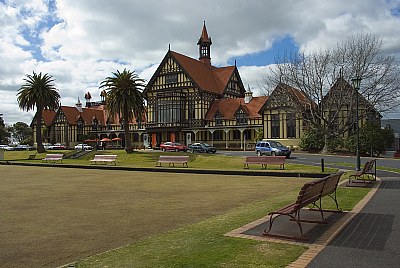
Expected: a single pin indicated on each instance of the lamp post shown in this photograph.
(356, 81)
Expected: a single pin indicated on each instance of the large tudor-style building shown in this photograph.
(190, 100)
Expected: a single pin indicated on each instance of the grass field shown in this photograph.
(148, 159)
(55, 216)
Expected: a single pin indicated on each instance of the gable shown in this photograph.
(286, 97)
(229, 108)
(233, 85)
(177, 70)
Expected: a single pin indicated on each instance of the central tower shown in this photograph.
(204, 44)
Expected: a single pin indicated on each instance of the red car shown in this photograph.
(173, 146)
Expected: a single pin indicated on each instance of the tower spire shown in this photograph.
(204, 44)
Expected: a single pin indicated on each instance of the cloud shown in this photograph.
(80, 43)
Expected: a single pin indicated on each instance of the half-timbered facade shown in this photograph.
(181, 93)
(282, 116)
(287, 109)
(71, 125)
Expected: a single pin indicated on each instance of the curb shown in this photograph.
(174, 170)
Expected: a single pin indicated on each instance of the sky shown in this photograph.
(80, 43)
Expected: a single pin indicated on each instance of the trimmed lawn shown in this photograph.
(148, 159)
(55, 216)
(203, 244)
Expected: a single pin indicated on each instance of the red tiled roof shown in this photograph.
(72, 114)
(228, 107)
(48, 116)
(208, 78)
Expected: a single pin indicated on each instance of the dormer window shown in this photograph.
(109, 125)
(95, 124)
(241, 118)
(218, 119)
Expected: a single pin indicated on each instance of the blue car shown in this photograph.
(268, 147)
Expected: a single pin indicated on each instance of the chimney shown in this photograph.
(79, 105)
(248, 95)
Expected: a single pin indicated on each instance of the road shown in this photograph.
(330, 160)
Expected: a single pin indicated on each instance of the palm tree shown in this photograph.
(38, 91)
(125, 99)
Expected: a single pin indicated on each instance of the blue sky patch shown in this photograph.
(266, 57)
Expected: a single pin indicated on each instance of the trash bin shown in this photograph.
(1, 154)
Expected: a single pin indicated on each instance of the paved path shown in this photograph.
(372, 238)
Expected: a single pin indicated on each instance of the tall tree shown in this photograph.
(38, 91)
(125, 99)
(21, 132)
(315, 74)
(4, 135)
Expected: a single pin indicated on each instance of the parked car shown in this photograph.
(173, 146)
(47, 146)
(7, 147)
(269, 147)
(201, 148)
(24, 147)
(83, 146)
(58, 146)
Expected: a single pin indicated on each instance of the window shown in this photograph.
(218, 119)
(236, 135)
(171, 78)
(241, 118)
(169, 111)
(191, 110)
(291, 125)
(275, 129)
(95, 124)
(218, 135)
(171, 108)
(204, 51)
(79, 131)
(109, 125)
(247, 134)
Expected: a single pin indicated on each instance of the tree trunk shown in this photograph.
(39, 142)
(128, 142)
(325, 148)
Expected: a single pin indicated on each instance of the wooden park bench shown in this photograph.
(367, 174)
(264, 161)
(310, 194)
(104, 159)
(53, 158)
(172, 159)
(31, 156)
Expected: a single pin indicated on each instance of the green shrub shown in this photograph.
(334, 142)
(312, 140)
(372, 138)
